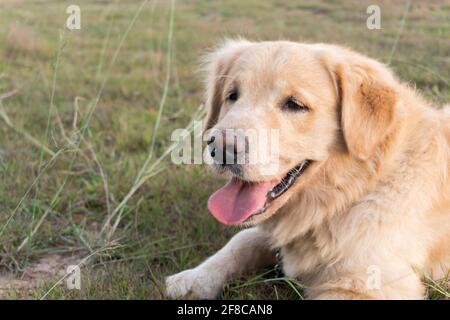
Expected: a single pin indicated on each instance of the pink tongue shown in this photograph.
(237, 201)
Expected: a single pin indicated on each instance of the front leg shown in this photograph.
(246, 251)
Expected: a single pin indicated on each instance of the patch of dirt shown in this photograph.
(49, 267)
(22, 39)
(10, 4)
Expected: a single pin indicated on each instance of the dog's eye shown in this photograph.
(232, 96)
(293, 105)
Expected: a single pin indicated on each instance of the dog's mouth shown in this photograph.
(239, 200)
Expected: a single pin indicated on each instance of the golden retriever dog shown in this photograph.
(359, 204)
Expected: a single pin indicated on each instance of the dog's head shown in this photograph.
(278, 110)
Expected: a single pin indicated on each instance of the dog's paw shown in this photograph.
(193, 282)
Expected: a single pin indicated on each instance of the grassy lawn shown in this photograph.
(86, 116)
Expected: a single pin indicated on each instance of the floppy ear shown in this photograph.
(368, 106)
(219, 64)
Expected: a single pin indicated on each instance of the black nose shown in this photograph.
(227, 147)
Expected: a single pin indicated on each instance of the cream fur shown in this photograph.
(377, 198)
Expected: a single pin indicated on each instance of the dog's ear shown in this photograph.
(218, 65)
(368, 99)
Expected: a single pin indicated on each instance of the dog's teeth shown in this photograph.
(277, 192)
(287, 181)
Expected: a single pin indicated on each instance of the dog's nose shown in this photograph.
(227, 147)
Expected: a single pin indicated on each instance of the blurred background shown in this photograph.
(85, 123)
